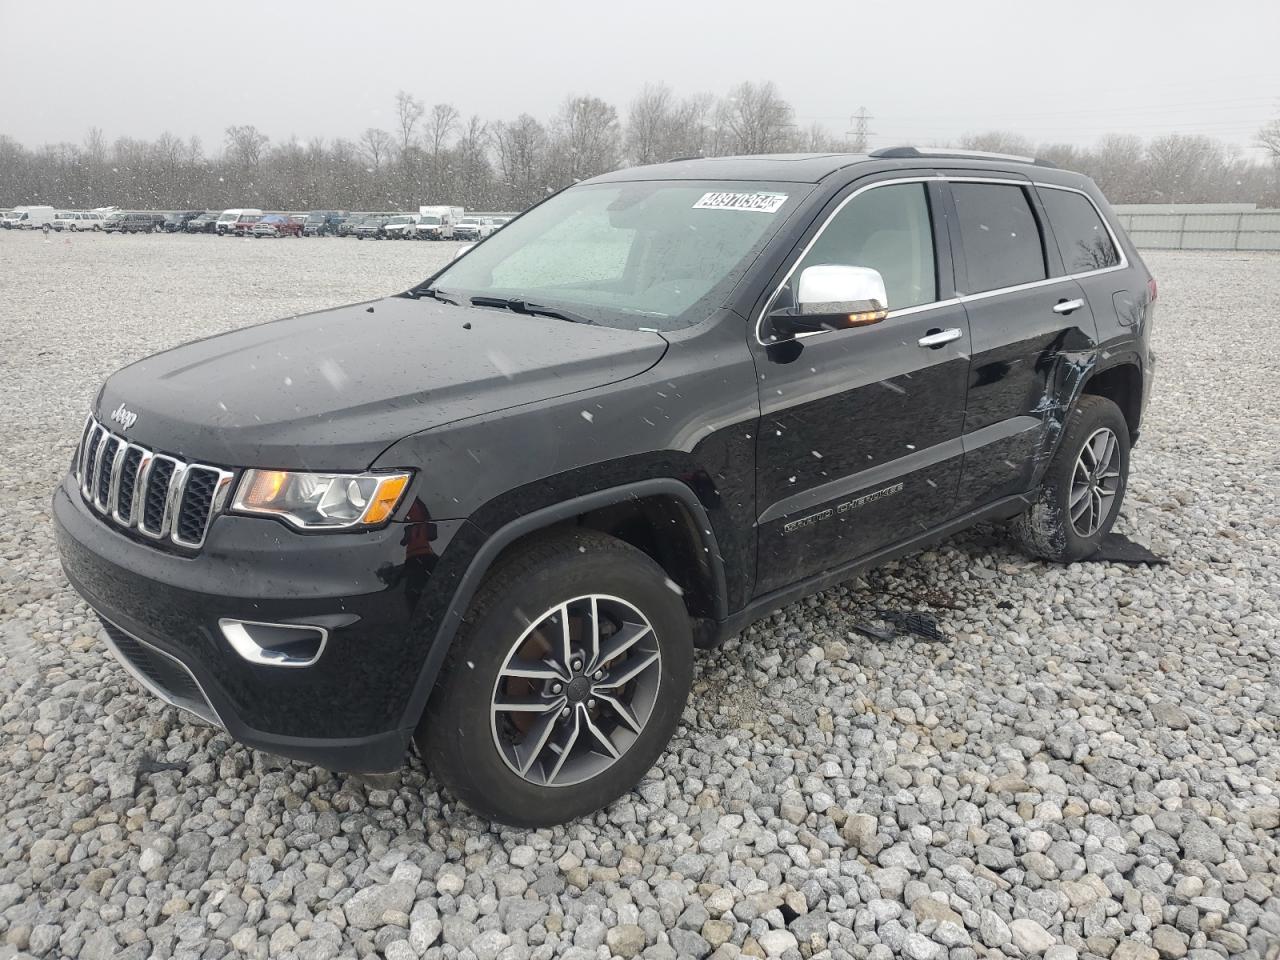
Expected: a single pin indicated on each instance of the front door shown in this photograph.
(859, 440)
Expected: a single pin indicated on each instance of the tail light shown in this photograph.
(1151, 289)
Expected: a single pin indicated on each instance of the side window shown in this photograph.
(887, 229)
(1000, 236)
(1082, 237)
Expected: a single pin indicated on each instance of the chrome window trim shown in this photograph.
(959, 298)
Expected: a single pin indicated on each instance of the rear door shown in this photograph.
(859, 441)
(1033, 335)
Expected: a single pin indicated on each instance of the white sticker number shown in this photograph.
(753, 202)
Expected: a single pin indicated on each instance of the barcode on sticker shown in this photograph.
(753, 202)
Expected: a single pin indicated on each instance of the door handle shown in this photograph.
(939, 338)
(1066, 306)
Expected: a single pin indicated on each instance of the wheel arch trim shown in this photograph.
(532, 522)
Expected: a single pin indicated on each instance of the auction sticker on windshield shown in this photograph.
(753, 202)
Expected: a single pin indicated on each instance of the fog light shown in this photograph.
(275, 644)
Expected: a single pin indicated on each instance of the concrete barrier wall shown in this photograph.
(1200, 229)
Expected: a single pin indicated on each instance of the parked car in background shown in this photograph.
(431, 226)
(177, 222)
(227, 219)
(469, 228)
(276, 225)
(28, 217)
(205, 223)
(76, 221)
(321, 223)
(372, 228)
(243, 226)
(347, 225)
(129, 223)
(400, 228)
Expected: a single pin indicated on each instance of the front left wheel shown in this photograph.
(564, 684)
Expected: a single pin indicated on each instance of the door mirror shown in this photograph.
(462, 249)
(834, 297)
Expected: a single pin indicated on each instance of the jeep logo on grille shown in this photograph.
(124, 416)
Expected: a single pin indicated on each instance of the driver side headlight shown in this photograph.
(321, 501)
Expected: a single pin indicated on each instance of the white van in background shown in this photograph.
(28, 218)
(227, 221)
(75, 221)
(437, 223)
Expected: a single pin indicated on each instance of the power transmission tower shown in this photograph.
(859, 132)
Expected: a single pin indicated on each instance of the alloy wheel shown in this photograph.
(1095, 481)
(575, 690)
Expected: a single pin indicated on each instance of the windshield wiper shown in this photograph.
(434, 294)
(516, 305)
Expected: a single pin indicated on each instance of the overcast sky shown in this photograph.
(1062, 72)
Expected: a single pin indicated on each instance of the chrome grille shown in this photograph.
(155, 494)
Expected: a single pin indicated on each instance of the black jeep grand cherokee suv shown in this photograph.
(497, 512)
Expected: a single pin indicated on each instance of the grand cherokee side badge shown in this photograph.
(124, 416)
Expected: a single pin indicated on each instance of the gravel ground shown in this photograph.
(1088, 765)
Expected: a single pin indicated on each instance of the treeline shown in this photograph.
(435, 155)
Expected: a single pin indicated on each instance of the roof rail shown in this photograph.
(893, 153)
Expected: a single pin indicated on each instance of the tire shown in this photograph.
(471, 749)
(1081, 493)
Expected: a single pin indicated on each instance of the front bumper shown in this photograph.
(350, 710)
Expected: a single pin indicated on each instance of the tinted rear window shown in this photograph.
(1082, 237)
(1001, 239)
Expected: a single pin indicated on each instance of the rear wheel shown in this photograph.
(1080, 496)
(564, 684)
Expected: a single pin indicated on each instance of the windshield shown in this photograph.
(397, 220)
(430, 221)
(642, 254)
(472, 221)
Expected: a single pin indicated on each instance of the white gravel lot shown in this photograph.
(1089, 765)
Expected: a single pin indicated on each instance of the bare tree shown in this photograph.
(1180, 167)
(754, 119)
(521, 146)
(245, 145)
(408, 112)
(998, 141)
(1116, 165)
(649, 123)
(376, 144)
(588, 140)
(1269, 139)
(441, 124)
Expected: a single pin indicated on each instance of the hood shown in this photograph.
(331, 390)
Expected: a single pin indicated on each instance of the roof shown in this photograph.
(786, 167)
(815, 167)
